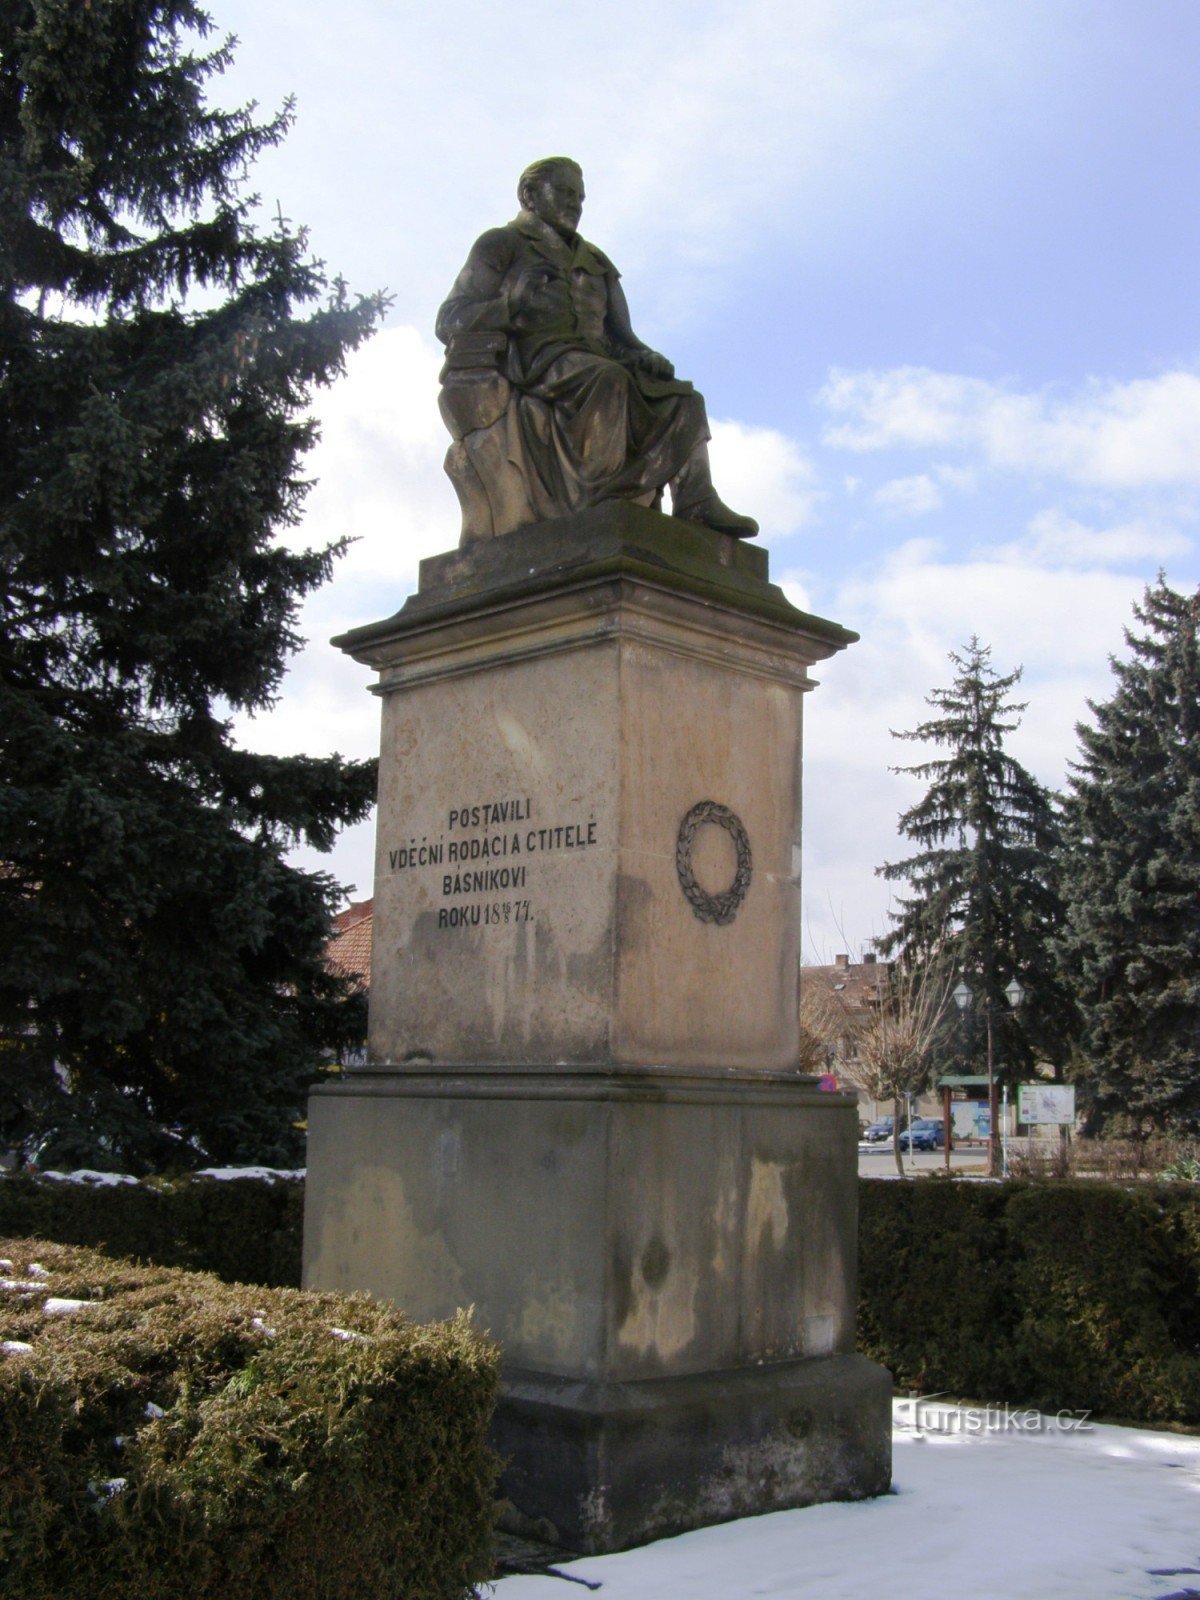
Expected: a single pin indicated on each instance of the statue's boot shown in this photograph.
(693, 499)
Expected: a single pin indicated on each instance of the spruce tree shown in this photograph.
(984, 894)
(162, 990)
(1131, 945)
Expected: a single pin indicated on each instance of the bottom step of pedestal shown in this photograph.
(596, 1467)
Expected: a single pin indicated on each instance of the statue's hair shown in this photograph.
(537, 170)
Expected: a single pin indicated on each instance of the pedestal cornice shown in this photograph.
(656, 1085)
(576, 560)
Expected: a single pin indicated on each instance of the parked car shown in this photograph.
(926, 1133)
(880, 1130)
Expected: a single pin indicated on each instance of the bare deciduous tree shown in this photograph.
(895, 1041)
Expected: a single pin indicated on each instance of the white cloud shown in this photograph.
(1139, 434)
(963, 479)
(705, 134)
(379, 481)
(912, 610)
(918, 604)
(378, 466)
(749, 107)
(1058, 540)
(760, 472)
(909, 497)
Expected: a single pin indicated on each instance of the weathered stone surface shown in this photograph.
(609, 1465)
(545, 733)
(621, 1226)
(583, 1115)
(666, 1258)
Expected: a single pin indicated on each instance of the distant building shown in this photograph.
(349, 949)
(835, 1003)
(349, 954)
(856, 984)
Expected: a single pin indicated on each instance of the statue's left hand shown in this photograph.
(652, 363)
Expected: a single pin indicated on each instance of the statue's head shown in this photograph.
(553, 190)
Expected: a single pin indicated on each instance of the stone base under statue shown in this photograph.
(666, 1258)
(586, 894)
(612, 1465)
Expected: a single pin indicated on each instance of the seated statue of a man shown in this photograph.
(581, 410)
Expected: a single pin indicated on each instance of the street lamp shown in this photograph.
(963, 999)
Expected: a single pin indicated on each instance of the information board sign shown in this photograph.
(1039, 1103)
(970, 1119)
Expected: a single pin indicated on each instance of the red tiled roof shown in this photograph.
(349, 950)
(855, 983)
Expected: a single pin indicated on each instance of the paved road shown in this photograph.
(877, 1161)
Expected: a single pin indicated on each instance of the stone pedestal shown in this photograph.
(582, 1114)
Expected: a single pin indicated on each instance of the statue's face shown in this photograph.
(558, 199)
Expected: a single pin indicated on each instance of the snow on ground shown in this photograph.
(225, 1174)
(86, 1175)
(231, 1174)
(1027, 1511)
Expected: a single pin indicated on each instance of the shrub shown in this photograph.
(932, 1285)
(1060, 1295)
(1185, 1170)
(172, 1437)
(1106, 1300)
(246, 1230)
(1112, 1157)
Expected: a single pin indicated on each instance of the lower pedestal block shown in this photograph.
(597, 1467)
(666, 1258)
(584, 1115)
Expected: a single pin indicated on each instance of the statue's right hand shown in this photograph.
(540, 290)
(651, 362)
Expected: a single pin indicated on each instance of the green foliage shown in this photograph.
(932, 1290)
(983, 878)
(1059, 1295)
(1131, 943)
(174, 1437)
(1110, 1303)
(245, 1230)
(162, 990)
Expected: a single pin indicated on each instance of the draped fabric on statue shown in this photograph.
(587, 425)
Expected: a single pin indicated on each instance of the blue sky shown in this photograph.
(932, 262)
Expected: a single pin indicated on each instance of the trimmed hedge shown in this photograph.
(246, 1230)
(1056, 1295)
(174, 1437)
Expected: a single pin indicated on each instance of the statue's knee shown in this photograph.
(611, 380)
(693, 409)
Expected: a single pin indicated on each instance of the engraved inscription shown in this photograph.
(483, 853)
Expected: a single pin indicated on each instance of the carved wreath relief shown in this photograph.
(718, 908)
